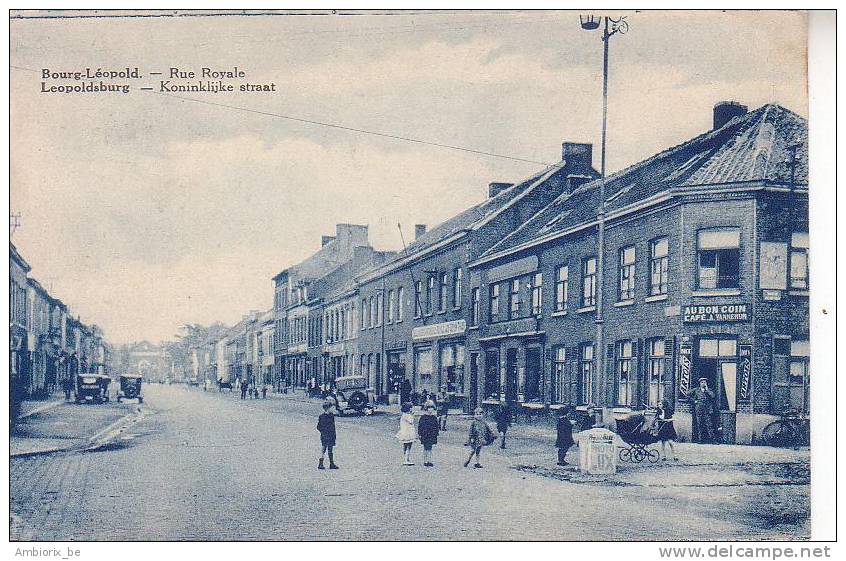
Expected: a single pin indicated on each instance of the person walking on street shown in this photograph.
(405, 391)
(564, 438)
(68, 387)
(480, 435)
(326, 426)
(442, 406)
(407, 433)
(264, 391)
(665, 431)
(427, 430)
(703, 411)
(503, 421)
(244, 387)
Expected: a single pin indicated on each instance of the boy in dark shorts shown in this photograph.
(326, 426)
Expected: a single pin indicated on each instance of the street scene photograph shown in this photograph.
(413, 275)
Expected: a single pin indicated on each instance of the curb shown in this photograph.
(47, 406)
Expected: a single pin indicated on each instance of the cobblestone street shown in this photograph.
(210, 466)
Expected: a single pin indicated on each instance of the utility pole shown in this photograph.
(611, 27)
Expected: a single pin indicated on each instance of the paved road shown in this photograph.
(209, 466)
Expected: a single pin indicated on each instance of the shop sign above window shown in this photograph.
(706, 313)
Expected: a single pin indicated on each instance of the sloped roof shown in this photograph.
(750, 147)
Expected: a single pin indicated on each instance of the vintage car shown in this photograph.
(130, 387)
(352, 393)
(92, 386)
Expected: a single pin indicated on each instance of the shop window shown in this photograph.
(423, 368)
(626, 377)
(718, 253)
(514, 299)
(418, 305)
(474, 310)
(659, 266)
(452, 367)
(537, 294)
(456, 287)
(430, 291)
(586, 371)
(563, 385)
(656, 370)
(400, 303)
(493, 302)
(627, 273)
(562, 281)
(391, 305)
(799, 261)
(589, 282)
(443, 292)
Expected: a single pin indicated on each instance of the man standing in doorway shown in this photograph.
(702, 399)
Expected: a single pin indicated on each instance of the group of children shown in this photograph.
(426, 430)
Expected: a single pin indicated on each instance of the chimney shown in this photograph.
(326, 239)
(419, 230)
(578, 156)
(496, 188)
(725, 111)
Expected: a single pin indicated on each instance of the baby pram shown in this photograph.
(637, 433)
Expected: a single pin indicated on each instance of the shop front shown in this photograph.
(715, 370)
(396, 359)
(439, 361)
(513, 353)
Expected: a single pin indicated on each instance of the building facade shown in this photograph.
(705, 276)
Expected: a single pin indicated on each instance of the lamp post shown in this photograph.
(610, 27)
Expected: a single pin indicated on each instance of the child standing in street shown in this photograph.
(442, 405)
(407, 433)
(326, 426)
(427, 429)
(503, 421)
(480, 435)
(664, 429)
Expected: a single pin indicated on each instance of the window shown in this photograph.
(418, 305)
(563, 386)
(474, 310)
(452, 367)
(364, 312)
(656, 371)
(514, 299)
(380, 307)
(562, 281)
(399, 303)
(390, 306)
(456, 287)
(493, 310)
(443, 292)
(712, 348)
(537, 294)
(586, 370)
(373, 309)
(659, 263)
(719, 258)
(627, 273)
(430, 289)
(626, 378)
(799, 261)
(423, 365)
(799, 379)
(589, 282)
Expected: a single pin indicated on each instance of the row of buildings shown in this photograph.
(47, 344)
(703, 274)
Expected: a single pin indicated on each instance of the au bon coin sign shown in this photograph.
(707, 313)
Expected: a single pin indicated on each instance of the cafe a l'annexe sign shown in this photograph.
(709, 313)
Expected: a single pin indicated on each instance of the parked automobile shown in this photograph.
(352, 393)
(92, 386)
(130, 388)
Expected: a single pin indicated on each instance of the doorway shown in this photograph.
(474, 380)
(511, 375)
(716, 361)
(532, 390)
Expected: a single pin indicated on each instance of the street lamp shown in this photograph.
(611, 27)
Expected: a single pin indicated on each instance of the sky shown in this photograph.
(145, 211)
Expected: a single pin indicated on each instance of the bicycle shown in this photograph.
(792, 429)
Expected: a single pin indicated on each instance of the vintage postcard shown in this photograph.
(489, 275)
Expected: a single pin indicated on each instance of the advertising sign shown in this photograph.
(708, 313)
(445, 329)
(773, 266)
(597, 452)
(745, 382)
(685, 354)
